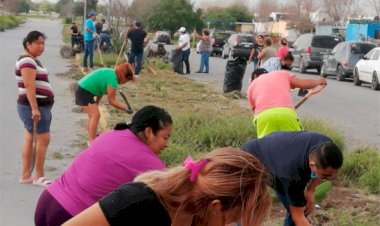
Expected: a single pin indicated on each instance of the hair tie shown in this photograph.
(194, 167)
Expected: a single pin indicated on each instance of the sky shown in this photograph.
(200, 3)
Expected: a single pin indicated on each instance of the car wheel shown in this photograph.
(357, 81)
(375, 85)
(323, 71)
(302, 67)
(340, 76)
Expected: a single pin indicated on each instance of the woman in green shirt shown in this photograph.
(103, 81)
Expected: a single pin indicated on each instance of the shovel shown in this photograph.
(34, 146)
(309, 94)
(126, 102)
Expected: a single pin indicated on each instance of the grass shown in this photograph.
(362, 168)
(7, 22)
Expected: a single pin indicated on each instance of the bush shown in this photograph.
(8, 22)
(68, 20)
(362, 168)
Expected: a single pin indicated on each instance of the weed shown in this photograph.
(57, 155)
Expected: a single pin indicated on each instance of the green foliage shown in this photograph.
(172, 14)
(225, 18)
(325, 127)
(200, 133)
(322, 191)
(362, 168)
(23, 6)
(8, 22)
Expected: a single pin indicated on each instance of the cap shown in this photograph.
(284, 41)
(125, 69)
(91, 14)
(138, 24)
(182, 29)
(257, 72)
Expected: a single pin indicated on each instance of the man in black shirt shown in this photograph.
(298, 162)
(139, 39)
(74, 33)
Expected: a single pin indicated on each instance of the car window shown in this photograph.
(336, 48)
(361, 48)
(245, 38)
(222, 36)
(369, 54)
(303, 41)
(376, 55)
(325, 41)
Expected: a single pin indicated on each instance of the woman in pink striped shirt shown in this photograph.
(34, 105)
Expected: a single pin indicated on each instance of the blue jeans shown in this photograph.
(254, 63)
(138, 56)
(288, 218)
(88, 51)
(204, 62)
(105, 37)
(185, 59)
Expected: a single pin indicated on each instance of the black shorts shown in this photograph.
(83, 97)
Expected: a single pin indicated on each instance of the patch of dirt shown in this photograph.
(343, 206)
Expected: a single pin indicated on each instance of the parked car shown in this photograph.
(238, 45)
(368, 69)
(343, 58)
(162, 37)
(218, 39)
(308, 50)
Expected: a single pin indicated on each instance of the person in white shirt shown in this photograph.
(184, 45)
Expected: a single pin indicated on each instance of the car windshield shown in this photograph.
(361, 48)
(245, 38)
(328, 42)
(223, 36)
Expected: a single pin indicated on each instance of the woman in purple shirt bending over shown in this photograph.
(114, 158)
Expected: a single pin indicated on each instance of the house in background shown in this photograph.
(244, 27)
(364, 30)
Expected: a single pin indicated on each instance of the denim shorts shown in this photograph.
(25, 113)
(83, 97)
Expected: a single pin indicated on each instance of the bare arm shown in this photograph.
(298, 216)
(89, 30)
(309, 195)
(251, 55)
(261, 54)
(29, 76)
(111, 94)
(92, 216)
(307, 83)
(98, 98)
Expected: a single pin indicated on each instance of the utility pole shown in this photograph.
(84, 13)
(109, 13)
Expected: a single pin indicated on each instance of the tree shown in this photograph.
(218, 18)
(239, 12)
(172, 14)
(265, 7)
(375, 5)
(340, 9)
(23, 6)
(46, 6)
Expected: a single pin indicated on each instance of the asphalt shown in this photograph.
(17, 202)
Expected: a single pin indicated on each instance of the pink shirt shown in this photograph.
(114, 158)
(282, 51)
(270, 90)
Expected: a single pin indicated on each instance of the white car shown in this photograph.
(368, 69)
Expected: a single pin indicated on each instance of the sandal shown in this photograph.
(42, 181)
(28, 180)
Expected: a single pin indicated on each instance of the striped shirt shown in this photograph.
(44, 92)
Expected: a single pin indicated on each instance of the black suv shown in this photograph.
(308, 50)
(238, 45)
(218, 39)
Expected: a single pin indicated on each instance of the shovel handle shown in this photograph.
(309, 94)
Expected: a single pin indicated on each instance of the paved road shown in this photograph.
(17, 202)
(356, 110)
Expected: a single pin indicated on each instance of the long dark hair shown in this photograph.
(149, 116)
(32, 36)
